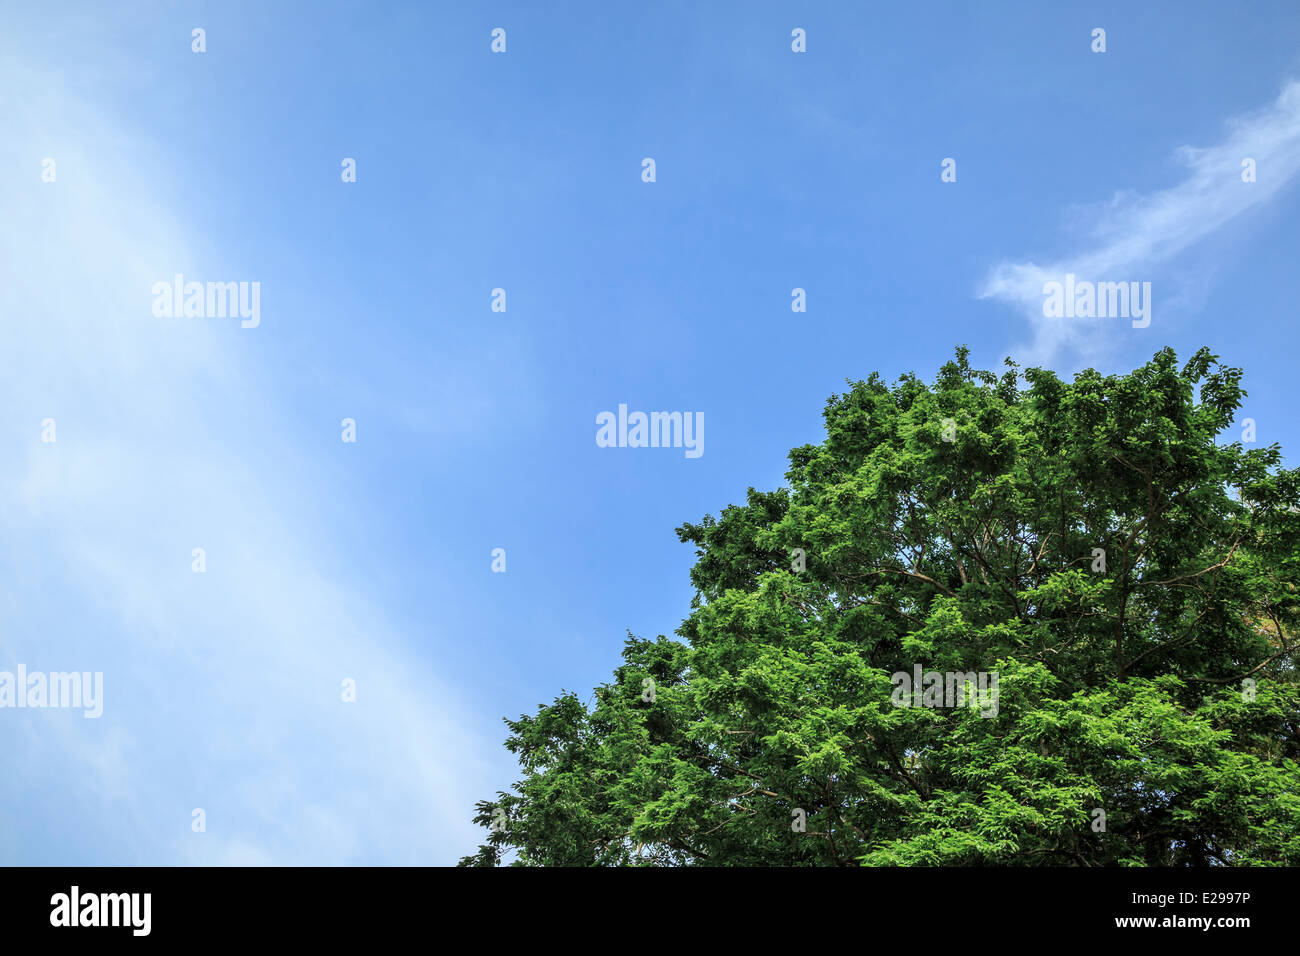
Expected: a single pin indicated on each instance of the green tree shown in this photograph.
(1131, 581)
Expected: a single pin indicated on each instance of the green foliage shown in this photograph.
(1126, 690)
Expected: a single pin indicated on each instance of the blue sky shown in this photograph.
(475, 429)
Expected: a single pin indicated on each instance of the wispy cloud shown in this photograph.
(222, 689)
(1133, 233)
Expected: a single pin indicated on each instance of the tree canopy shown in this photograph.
(1128, 575)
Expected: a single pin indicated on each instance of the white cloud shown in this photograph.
(1132, 234)
(222, 690)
